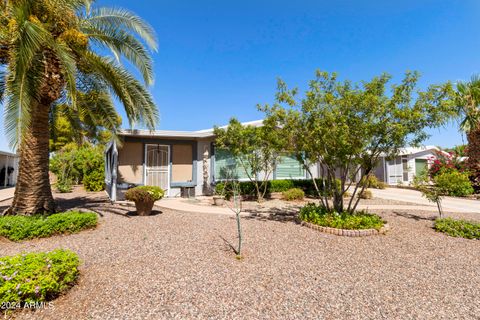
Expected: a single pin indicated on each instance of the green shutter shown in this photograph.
(227, 167)
(289, 168)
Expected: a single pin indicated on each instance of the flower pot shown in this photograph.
(218, 200)
(144, 208)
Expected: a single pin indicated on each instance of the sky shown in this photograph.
(219, 59)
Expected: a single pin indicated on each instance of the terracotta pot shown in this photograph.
(144, 208)
(218, 201)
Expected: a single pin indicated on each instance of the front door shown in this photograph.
(157, 171)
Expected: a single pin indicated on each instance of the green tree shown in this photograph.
(255, 149)
(468, 102)
(51, 52)
(93, 120)
(347, 127)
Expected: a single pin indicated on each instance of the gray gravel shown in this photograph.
(178, 265)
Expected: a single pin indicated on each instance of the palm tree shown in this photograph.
(468, 102)
(51, 53)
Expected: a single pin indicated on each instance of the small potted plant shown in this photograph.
(144, 198)
(219, 195)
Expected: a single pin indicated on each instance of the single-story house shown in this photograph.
(8, 169)
(184, 163)
(410, 162)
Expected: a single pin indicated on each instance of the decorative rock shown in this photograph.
(345, 232)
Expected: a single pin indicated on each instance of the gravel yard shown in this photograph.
(179, 265)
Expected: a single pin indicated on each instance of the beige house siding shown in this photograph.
(182, 162)
(130, 163)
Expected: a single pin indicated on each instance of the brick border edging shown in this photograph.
(347, 233)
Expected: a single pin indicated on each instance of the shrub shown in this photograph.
(247, 188)
(453, 183)
(293, 194)
(144, 194)
(365, 194)
(281, 185)
(458, 228)
(347, 194)
(317, 214)
(372, 181)
(94, 181)
(18, 228)
(64, 186)
(36, 277)
(84, 164)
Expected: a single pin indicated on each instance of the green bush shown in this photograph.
(247, 188)
(94, 181)
(317, 214)
(36, 277)
(84, 164)
(365, 194)
(281, 185)
(453, 183)
(144, 194)
(372, 181)
(64, 186)
(458, 228)
(293, 194)
(18, 228)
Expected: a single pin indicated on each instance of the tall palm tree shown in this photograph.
(51, 51)
(468, 102)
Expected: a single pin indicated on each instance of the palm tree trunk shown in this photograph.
(33, 194)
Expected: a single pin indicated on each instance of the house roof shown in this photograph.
(206, 133)
(8, 154)
(414, 150)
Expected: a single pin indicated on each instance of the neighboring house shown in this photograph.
(410, 162)
(8, 169)
(180, 162)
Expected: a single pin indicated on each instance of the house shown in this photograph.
(186, 163)
(8, 169)
(183, 163)
(410, 162)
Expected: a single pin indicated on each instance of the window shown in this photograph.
(227, 167)
(289, 167)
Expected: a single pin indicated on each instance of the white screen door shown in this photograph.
(157, 166)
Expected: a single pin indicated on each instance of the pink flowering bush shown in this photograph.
(445, 162)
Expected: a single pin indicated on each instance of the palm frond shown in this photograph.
(23, 79)
(137, 101)
(116, 18)
(122, 43)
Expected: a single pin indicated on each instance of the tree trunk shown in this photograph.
(33, 194)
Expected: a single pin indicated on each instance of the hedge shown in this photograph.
(247, 188)
(18, 228)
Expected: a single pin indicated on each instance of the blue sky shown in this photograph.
(218, 59)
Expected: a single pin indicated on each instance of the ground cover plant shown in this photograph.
(319, 215)
(36, 277)
(458, 228)
(18, 228)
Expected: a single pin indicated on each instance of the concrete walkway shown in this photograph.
(194, 206)
(7, 193)
(413, 196)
